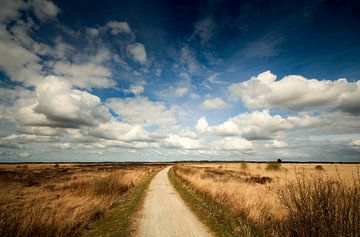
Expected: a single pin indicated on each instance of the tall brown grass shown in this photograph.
(111, 185)
(321, 206)
(58, 203)
(308, 204)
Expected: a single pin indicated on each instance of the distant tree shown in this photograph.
(279, 160)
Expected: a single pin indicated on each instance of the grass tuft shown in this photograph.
(273, 166)
(110, 185)
(321, 207)
(319, 168)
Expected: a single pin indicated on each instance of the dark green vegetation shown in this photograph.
(220, 220)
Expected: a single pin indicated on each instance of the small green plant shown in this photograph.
(319, 168)
(273, 166)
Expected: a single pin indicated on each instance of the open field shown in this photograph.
(281, 199)
(65, 199)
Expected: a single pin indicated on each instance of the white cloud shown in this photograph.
(44, 9)
(189, 61)
(62, 146)
(41, 130)
(215, 79)
(58, 102)
(91, 74)
(182, 142)
(214, 103)
(117, 27)
(355, 143)
(17, 62)
(136, 89)
(115, 130)
(141, 110)
(22, 138)
(253, 126)
(277, 144)
(297, 93)
(24, 154)
(232, 144)
(181, 91)
(10, 9)
(137, 52)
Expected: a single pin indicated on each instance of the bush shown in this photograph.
(244, 166)
(110, 185)
(321, 207)
(319, 168)
(56, 165)
(273, 166)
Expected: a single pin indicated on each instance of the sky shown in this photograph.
(179, 80)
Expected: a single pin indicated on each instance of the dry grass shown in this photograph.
(321, 207)
(49, 200)
(263, 195)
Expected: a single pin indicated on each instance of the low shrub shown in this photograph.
(273, 166)
(319, 168)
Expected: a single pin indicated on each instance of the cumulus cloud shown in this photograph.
(141, 110)
(214, 103)
(182, 142)
(17, 62)
(90, 74)
(137, 52)
(233, 144)
(122, 131)
(19, 52)
(253, 126)
(58, 102)
(297, 93)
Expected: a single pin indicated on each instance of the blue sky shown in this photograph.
(177, 80)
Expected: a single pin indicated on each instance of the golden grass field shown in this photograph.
(324, 199)
(61, 200)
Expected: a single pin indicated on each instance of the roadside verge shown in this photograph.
(215, 216)
(116, 221)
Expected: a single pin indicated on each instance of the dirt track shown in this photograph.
(165, 213)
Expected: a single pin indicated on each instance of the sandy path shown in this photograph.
(165, 213)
